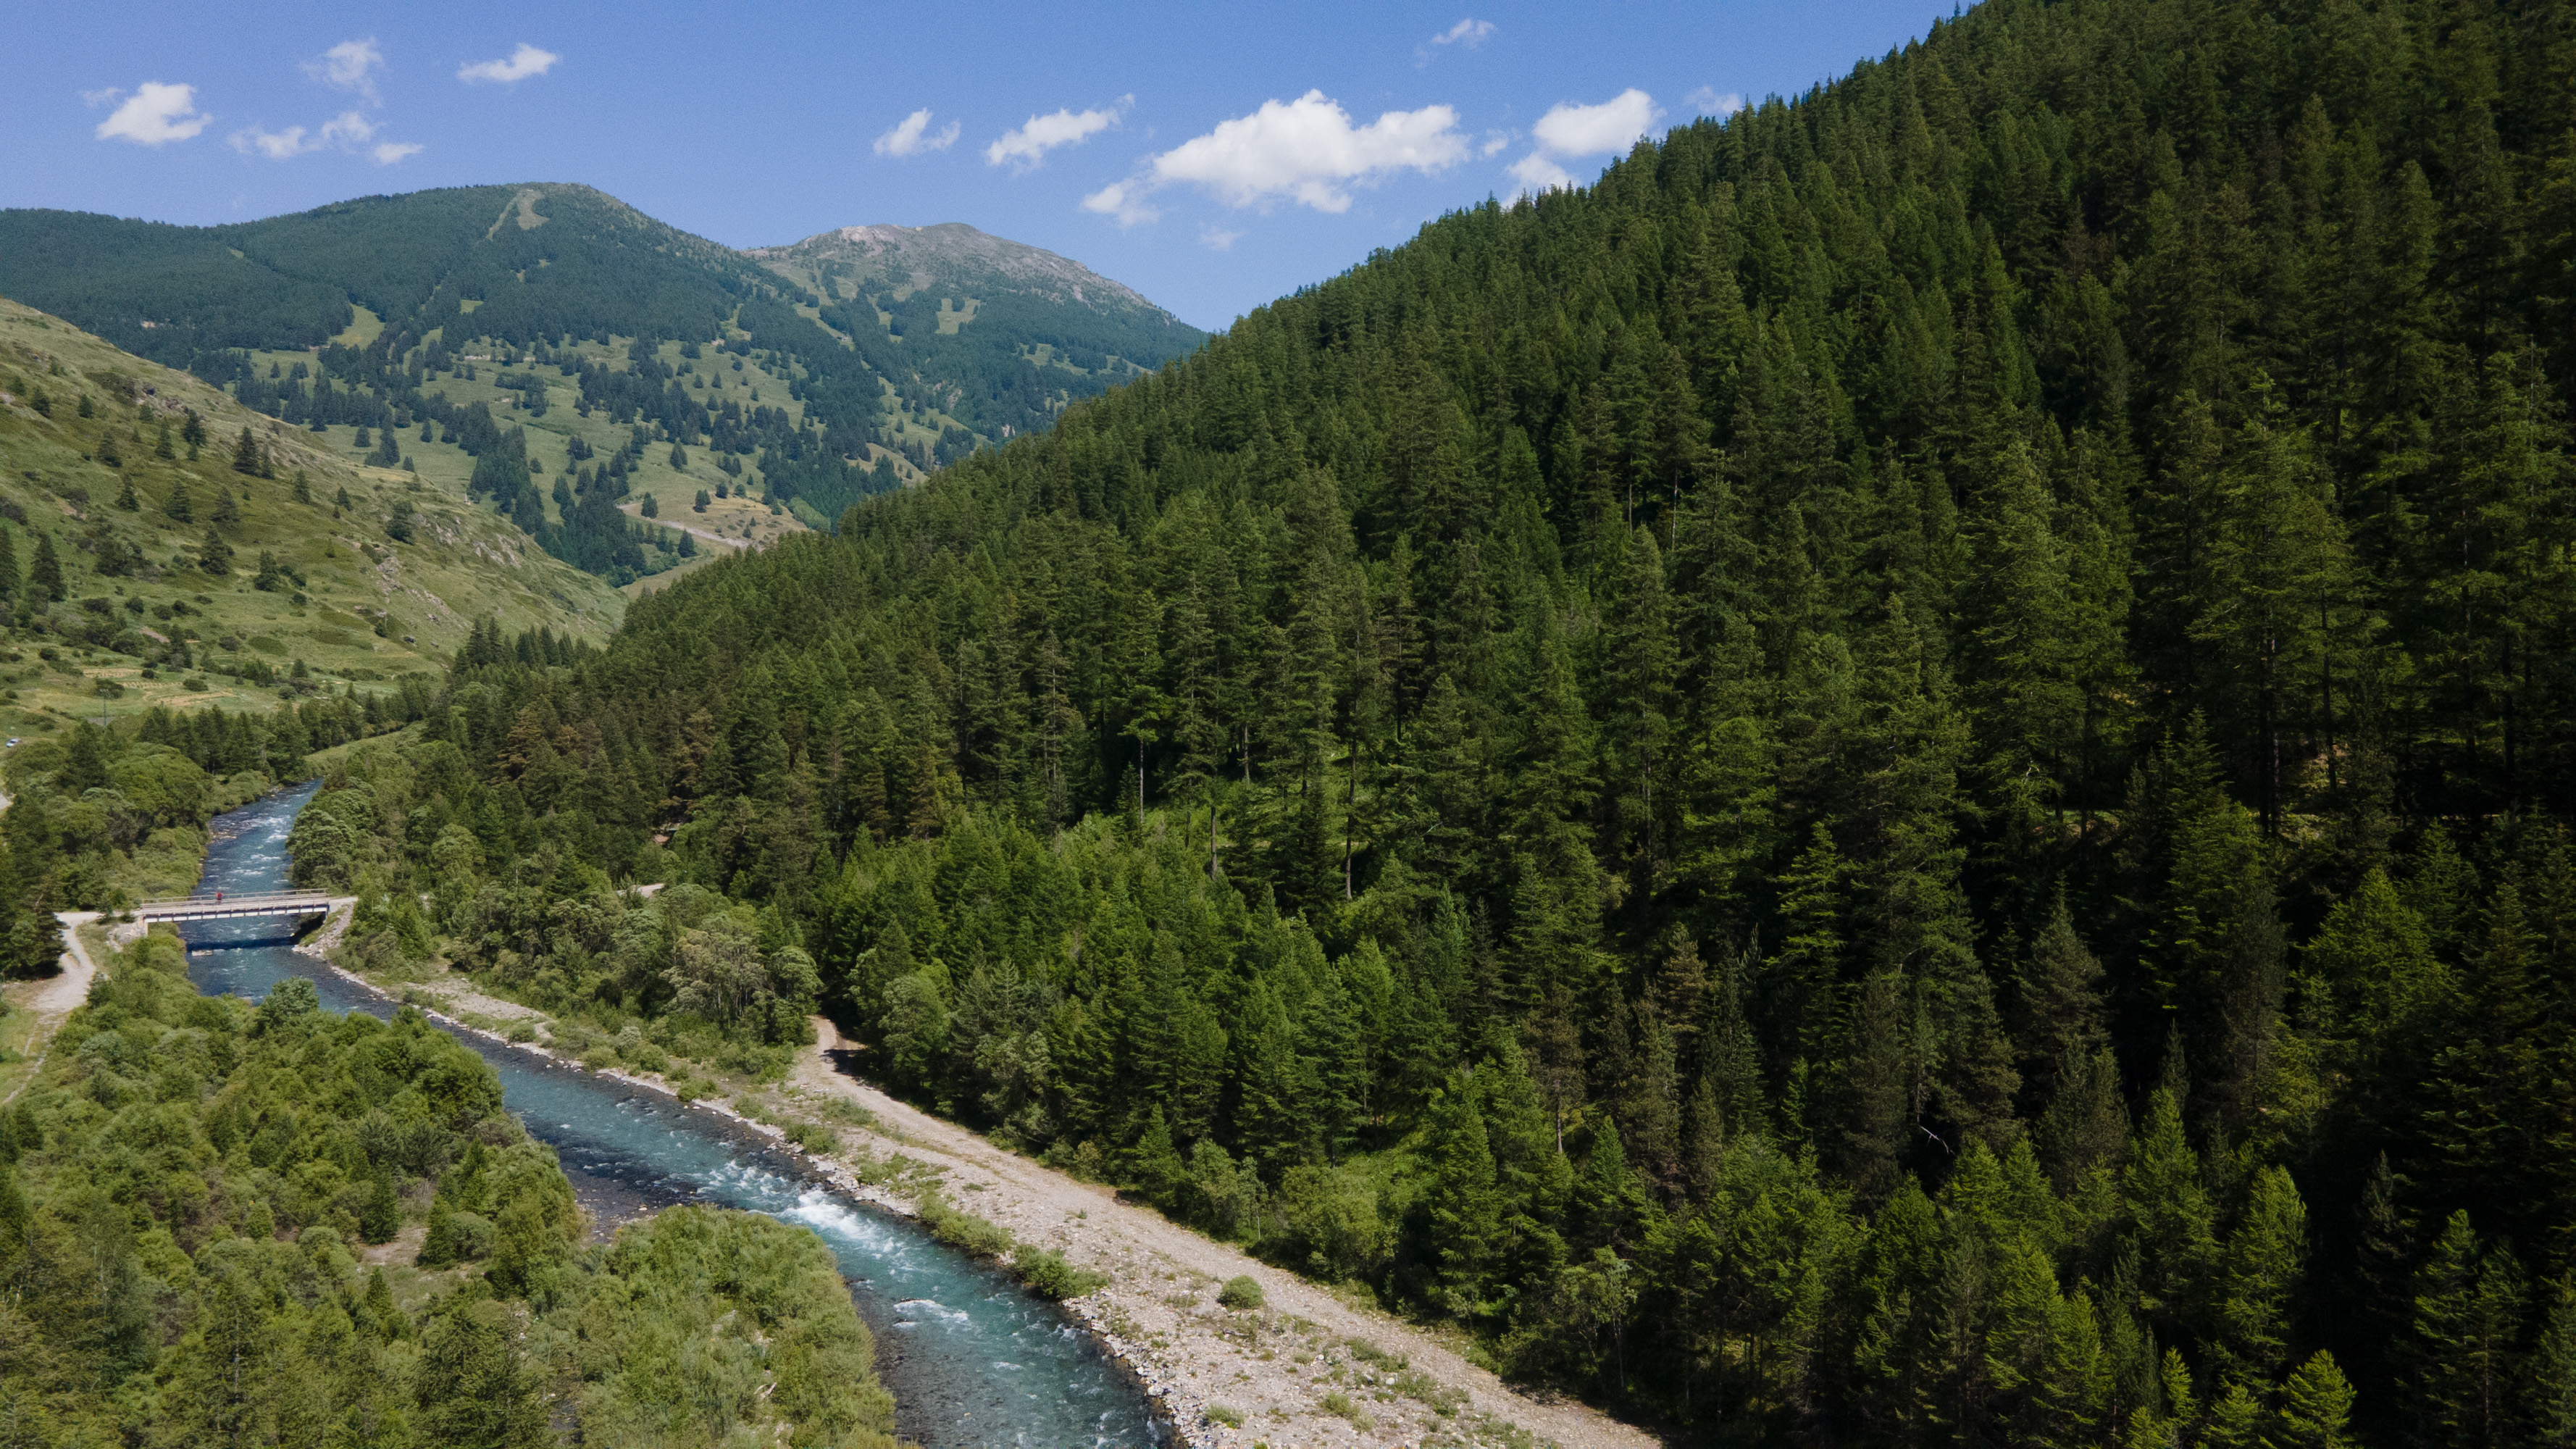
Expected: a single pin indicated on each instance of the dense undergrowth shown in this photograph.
(205, 1215)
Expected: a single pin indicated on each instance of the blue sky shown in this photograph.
(1213, 157)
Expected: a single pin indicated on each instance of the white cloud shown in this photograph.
(1029, 144)
(1466, 33)
(1495, 143)
(1218, 239)
(914, 135)
(275, 145)
(1569, 130)
(1613, 125)
(348, 131)
(156, 114)
(1307, 151)
(1537, 173)
(1121, 200)
(522, 63)
(1709, 101)
(350, 66)
(101, 96)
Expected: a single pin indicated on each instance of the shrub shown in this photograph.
(1225, 1414)
(1048, 1275)
(965, 1231)
(454, 1237)
(1240, 1292)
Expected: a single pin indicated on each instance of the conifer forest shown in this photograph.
(1905, 776)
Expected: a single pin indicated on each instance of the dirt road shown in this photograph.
(1278, 1367)
(56, 997)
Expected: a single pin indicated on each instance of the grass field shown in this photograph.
(674, 490)
(368, 609)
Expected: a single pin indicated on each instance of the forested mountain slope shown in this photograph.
(976, 344)
(1898, 778)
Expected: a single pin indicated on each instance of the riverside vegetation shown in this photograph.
(207, 1216)
(1898, 778)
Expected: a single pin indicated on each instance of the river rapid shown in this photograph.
(972, 1359)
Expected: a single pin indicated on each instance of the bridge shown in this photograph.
(236, 907)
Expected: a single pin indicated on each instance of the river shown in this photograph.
(972, 1359)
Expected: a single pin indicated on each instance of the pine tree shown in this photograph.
(2315, 1409)
(246, 453)
(180, 508)
(2086, 1125)
(45, 574)
(215, 556)
(2460, 1350)
(2061, 1012)
(1463, 1208)
(2162, 1183)
(2259, 1277)
(2552, 1396)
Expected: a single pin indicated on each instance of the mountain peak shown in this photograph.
(919, 256)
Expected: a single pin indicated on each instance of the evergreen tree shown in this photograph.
(45, 573)
(2460, 1350)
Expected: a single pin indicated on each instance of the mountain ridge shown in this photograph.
(1001, 254)
(978, 339)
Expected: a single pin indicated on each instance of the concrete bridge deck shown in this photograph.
(234, 907)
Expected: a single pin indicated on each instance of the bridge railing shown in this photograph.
(278, 902)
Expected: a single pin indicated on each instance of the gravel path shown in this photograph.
(1276, 1366)
(56, 997)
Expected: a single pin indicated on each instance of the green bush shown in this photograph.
(454, 1237)
(1240, 1292)
(1048, 1275)
(1225, 1414)
(965, 1231)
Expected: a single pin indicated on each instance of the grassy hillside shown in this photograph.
(893, 367)
(474, 377)
(142, 620)
(965, 302)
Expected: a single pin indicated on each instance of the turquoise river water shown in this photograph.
(972, 1359)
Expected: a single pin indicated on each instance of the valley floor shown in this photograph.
(1275, 1365)
(1309, 1369)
